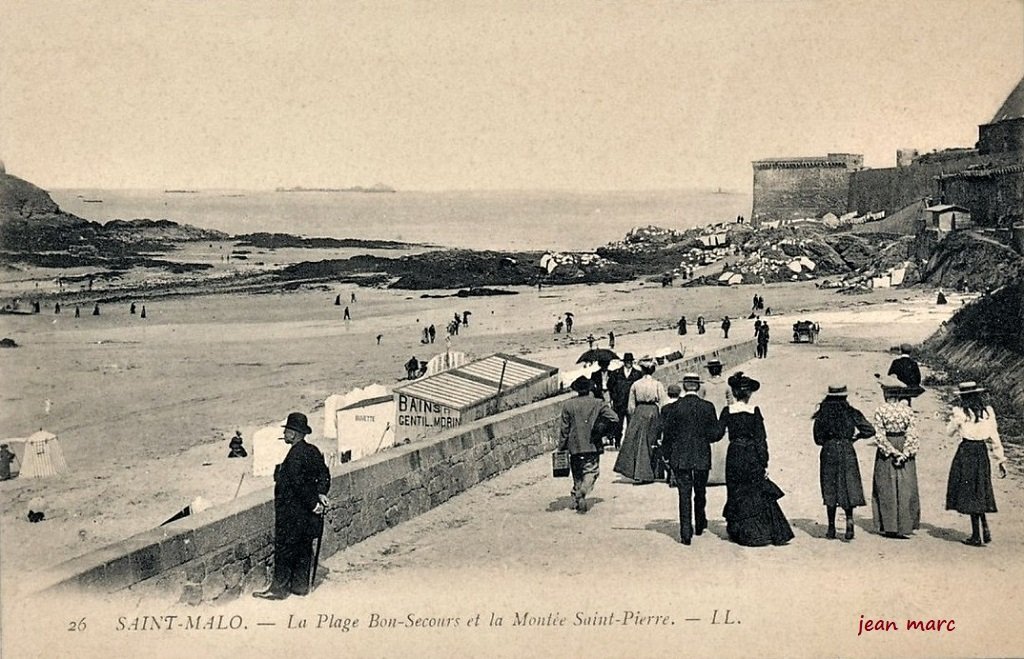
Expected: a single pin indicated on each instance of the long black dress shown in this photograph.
(752, 513)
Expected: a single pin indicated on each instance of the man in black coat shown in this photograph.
(690, 427)
(604, 384)
(905, 369)
(625, 377)
(301, 483)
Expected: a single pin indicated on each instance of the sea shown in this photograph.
(501, 220)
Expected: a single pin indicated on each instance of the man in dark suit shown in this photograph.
(301, 483)
(626, 376)
(604, 384)
(690, 427)
(905, 369)
(585, 421)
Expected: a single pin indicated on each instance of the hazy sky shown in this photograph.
(487, 95)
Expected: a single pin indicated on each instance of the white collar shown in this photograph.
(690, 393)
(740, 406)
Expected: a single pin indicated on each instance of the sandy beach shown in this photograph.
(144, 408)
(515, 531)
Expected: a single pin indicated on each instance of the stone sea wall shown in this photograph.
(216, 555)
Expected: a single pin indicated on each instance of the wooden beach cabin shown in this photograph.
(945, 218)
(435, 403)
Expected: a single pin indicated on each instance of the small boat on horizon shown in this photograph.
(92, 201)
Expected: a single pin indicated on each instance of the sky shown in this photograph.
(484, 95)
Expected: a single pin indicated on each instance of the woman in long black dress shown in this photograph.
(837, 425)
(752, 514)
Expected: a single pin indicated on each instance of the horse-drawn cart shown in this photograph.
(805, 331)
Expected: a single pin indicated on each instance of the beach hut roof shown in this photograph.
(476, 382)
(941, 208)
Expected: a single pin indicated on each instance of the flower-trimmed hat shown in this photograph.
(741, 382)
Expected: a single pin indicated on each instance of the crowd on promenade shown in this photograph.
(703, 430)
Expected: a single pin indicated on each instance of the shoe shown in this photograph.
(973, 542)
(849, 531)
(269, 595)
(685, 539)
(700, 528)
(831, 533)
(575, 504)
(986, 536)
(581, 507)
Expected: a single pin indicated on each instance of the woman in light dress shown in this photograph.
(646, 398)
(969, 489)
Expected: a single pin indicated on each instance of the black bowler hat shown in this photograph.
(297, 422)
(581, 385)
(628, 357)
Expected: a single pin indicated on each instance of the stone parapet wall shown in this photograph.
(219, 553)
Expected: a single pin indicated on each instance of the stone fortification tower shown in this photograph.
(794, 188)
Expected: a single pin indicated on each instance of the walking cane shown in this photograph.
(316, 553)
(239, 488)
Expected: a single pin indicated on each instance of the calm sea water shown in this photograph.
(480, 220)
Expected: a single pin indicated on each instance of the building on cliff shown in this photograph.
(987, 179)
(795, 188)
(993, 190)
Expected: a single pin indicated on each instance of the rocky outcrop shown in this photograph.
(31, 223)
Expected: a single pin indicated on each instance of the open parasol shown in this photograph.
(597, 354)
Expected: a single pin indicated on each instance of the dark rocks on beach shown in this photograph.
(8, 343)
(483, 292)
(265, 240)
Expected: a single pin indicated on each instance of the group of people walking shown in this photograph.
(677, 428)
(666, 425)
(895, 499)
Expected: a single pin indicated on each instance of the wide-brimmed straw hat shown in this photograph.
(837, 391)
(969, 387)
(297, 421)
(691, 377)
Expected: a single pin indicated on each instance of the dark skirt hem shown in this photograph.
(969, 489)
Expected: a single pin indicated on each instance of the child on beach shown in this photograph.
(969, 489)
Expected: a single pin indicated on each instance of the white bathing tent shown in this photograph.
(365, 425)
(445, 361)
(268, 449)
(42, 456)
